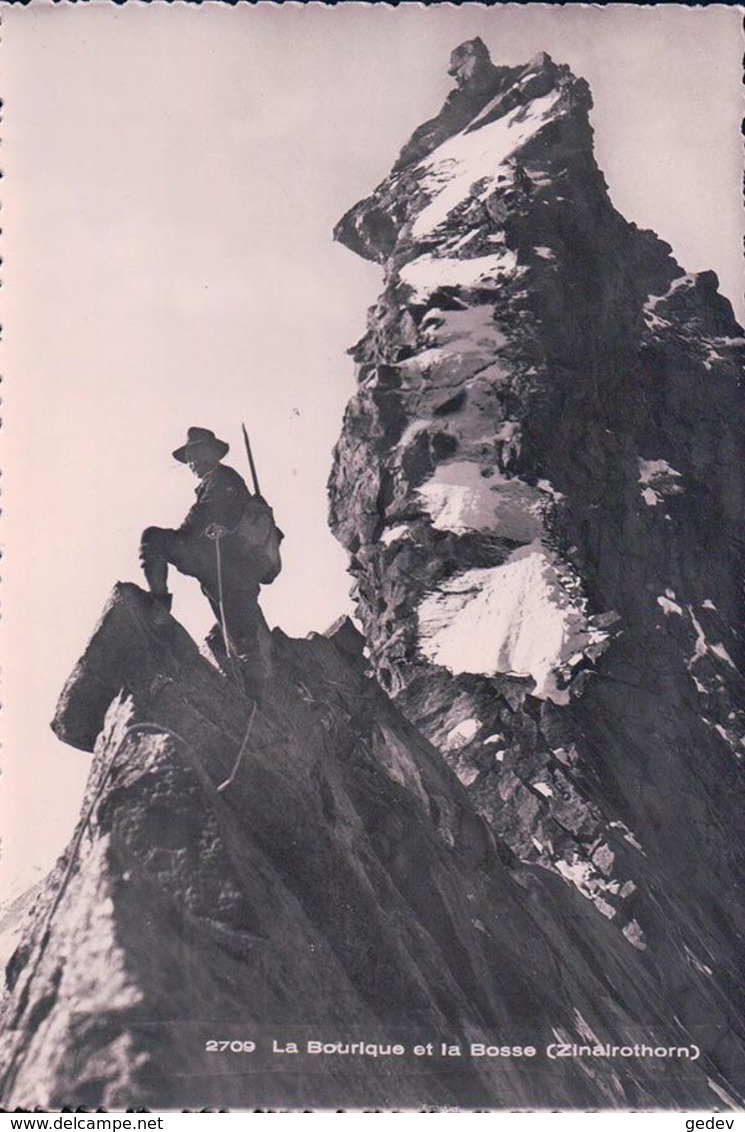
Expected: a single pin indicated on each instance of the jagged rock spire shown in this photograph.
(471, 65)
(540, 483)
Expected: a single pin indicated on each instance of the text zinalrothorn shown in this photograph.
(92, 1123)
(605, 1049)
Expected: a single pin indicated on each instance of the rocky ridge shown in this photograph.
(540, 484)
(342, 888)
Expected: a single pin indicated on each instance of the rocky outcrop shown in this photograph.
(342, 888)
(540, 485)
(511, 815)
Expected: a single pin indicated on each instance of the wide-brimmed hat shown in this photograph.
(198, 437)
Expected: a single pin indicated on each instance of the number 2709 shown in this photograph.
(213, 1046)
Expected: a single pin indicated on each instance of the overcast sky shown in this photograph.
(172, 176)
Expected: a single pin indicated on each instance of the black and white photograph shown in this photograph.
(373, 497)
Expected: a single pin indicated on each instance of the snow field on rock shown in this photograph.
(657, 478)
(512, 619)
(427, 273)
(470, 157)
(459, 499)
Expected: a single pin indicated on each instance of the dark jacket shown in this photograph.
(222, 497)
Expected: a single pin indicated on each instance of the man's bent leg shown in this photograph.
(250, 640)
(154, 559)
(161, 547)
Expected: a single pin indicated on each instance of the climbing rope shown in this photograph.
(231, 777)
(216, 532)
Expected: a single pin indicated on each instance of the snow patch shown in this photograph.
(515, 619)
(580, 874)
(627, 834)
(468, 238)
(720, 651)
(463, 330)
(412, 430)
(653, 321)
(467, 775)
(669, 606)
(544, 789)
(725, 340)
(603, 858)
(549, 489)
(650, 471)
(461, 734)
(426, 274)
(509, 436)
(461, 161)
(685, 280)
(657, 478)
(634, 935)
(708, 604)
(459, 499)
(394, 534)
(702, 646)
(603, 906)
(544, 253)
(699, 649)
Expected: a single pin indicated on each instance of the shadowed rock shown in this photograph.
(341, 889)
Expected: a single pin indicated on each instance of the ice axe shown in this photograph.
(257, 489)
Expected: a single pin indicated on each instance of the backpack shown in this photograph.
(260, 538)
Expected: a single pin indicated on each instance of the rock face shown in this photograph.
(523, 826)
(540, 485)
(342, 888)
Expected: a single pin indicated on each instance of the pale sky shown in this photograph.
(172, 176)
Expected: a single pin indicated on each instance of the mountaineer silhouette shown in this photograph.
(229, 542)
